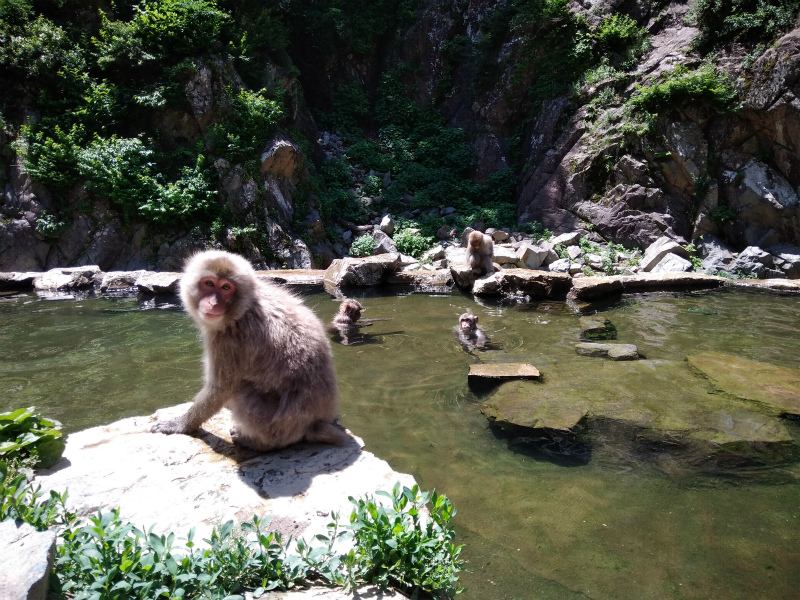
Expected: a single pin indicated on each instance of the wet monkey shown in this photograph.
(265, 356)
(470, 334)
(480, 249)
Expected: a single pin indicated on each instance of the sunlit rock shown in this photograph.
(27, 559)
(658, 250)
(71, 278)
(672, 263)
(368, 271)
(177, 482)
(159, 283)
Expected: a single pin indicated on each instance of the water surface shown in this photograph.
(534, 526)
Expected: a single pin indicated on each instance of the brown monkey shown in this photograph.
(480, 249)
(345, 323)
(265, 355)
(469, 334)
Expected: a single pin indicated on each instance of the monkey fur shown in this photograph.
(480, 249)
(470, 334)
(265, 356)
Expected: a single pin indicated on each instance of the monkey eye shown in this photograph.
(226, 286)
(209, 283)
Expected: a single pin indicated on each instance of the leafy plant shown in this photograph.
(363, 246)
(49, 227)
(742, 20)
(23, 432)
(722, 214)
(20, 501)
(412, 242)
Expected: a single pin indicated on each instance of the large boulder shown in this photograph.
(656, 251)
(716, 255)
(752, 261)
(787, 259)
(672, 263)
(176, 482)
(72, 278)
(368, 271)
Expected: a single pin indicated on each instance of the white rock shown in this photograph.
(177, 482)
(658, 250)
(505, 255)
(26, 556)
(672, 263)
(567, 239)
(532, 257)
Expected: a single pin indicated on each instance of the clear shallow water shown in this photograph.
(619, 526)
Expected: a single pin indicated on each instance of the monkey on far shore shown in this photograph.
(470, 334)
(480, 249)
(265, 356)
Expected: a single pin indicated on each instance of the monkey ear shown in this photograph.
(476, 318)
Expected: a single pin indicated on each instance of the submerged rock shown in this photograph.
(597, 327)
(620, 410)
(612, 351)
(777, 387)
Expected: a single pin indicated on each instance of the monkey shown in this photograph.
(480, 249)
(345, 323)
(470, 334)
(265, 356)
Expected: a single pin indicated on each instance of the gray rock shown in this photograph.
(560, 266)
(159, 283)
(567, 239)
(387, 225)
(435, 253)
(672, 263)
(27, 559)
(612, 351)
(499, 235)
(574, 252)
(505, 255)
(68, 278)
(787, 259)
(455, 254)
(347, 235)
(532, 257)
(368, 271)
(752, 261)
(716, 255)
(658, 250)
(384, 243)
(120, 280)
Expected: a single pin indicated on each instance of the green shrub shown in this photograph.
(248, 126)
(705, 84)
(372, 186)
(412, 243)
(53, 159)
(35, 47)
(363, 246)
(158, 30)
(49, 227)
(24, 433)
(744, 21)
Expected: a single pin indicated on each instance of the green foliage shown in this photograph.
(53, 159)
(248, 125)
(621, 35)
(412, 242)
(49, 227)
(744, 21)
(35, 47)
(20, 501)
(681, 86)
(363, 246)
(25, 433)
(722, 214)
(108, 558)
(372, 186)
(158, 30)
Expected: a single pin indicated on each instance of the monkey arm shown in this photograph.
(208, 401)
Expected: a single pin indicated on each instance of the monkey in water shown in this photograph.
(265, 356)
(346, 325)
(480, 249)
(470, 334)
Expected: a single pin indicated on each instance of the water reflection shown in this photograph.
(627, 516)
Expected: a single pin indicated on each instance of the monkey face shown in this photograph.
(215, 295)
(468, 322)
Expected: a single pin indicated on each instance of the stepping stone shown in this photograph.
(497, 372)
(612, 351)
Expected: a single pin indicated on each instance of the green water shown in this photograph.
(534, 526)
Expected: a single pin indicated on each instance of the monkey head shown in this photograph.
(468, 322)
(352, 308)
(217, 288)
(475, 239)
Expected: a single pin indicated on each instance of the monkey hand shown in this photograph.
(168, 427)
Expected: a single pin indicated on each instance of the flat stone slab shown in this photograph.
(523, 404)
(294, 276)
(612, 351)
(425, 281)
(593, 288)
(502, 371)
(776, 285)
(177, 482)
(778, 387)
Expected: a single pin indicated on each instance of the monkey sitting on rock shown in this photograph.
(265, 356)
(480, 250)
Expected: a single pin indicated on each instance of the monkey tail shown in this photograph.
(326, 433)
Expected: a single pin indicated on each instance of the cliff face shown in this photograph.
(627, 119)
